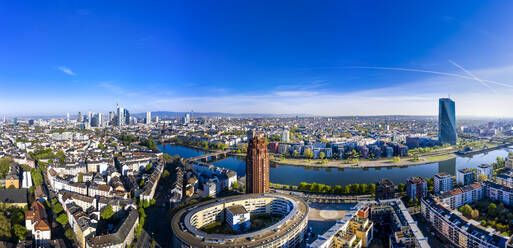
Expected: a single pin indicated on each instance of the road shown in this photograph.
(157, 225)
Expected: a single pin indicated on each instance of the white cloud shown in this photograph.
(412, 98)
(66, 70)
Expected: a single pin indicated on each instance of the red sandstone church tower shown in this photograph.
(257, 165)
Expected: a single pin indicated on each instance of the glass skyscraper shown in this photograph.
(446, 121)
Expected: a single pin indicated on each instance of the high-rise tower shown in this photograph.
(148, 118)
(257, 165)
(446, 121)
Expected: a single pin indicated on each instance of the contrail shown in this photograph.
(471, 75)
(425, 71)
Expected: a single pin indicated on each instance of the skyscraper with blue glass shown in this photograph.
(446, 121)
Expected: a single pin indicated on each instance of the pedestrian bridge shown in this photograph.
(213, 155)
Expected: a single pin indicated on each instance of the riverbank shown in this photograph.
(362, 164)
(294, 175)
(462, 153)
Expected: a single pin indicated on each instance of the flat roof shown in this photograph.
(186, 232)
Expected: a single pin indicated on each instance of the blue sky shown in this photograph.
(312, 57)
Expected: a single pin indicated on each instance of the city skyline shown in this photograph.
(304, 58)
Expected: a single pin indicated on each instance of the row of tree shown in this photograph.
(337, 189)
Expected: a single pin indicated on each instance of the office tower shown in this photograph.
(67, 117)
(97, 120)
(285, 136)
(15, 121)
(443, 182)
(120, 115)
(416, 187)
(446, 121)
(148, 118)
(465, 176)
(90, 118)
(156, 119)
(79, 117)
(126, 114)
(187, 119)
(257, 165)
(31, 122)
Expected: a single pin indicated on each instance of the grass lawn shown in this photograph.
(438, 158)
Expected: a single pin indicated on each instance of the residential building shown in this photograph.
(460, 231)
(442, 182)
(237, 217)
(36, 222)
(465, 176)
(484, 169)
(416, 187)
(463, 195)
(385, 189)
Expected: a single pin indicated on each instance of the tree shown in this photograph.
(107, 213)
(148, 167)
(466, 210)
(80, 177)
(62, 219)
(396, 160)
(308, 153)
(165, 174)
(57, 208)
(101, 146)
(235, 185)
(482, 177)
(354, 154)
(322, 155)
(295, 154)
(70, 235)
(492, 209)
(152, 202)
(475, 214)
(20, 231)
(17, 217)
(5, 227)
(401, 187)
(372, 188)
(167, 157)
(37, 177)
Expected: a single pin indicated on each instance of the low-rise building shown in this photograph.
(237, 217)
(36, 222)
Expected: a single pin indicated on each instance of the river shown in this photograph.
(293, 175)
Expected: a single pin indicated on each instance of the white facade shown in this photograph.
(486, 170)
(461, 196)
(27, 180)
(443, 183)
(285, 136)
(148, 118)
